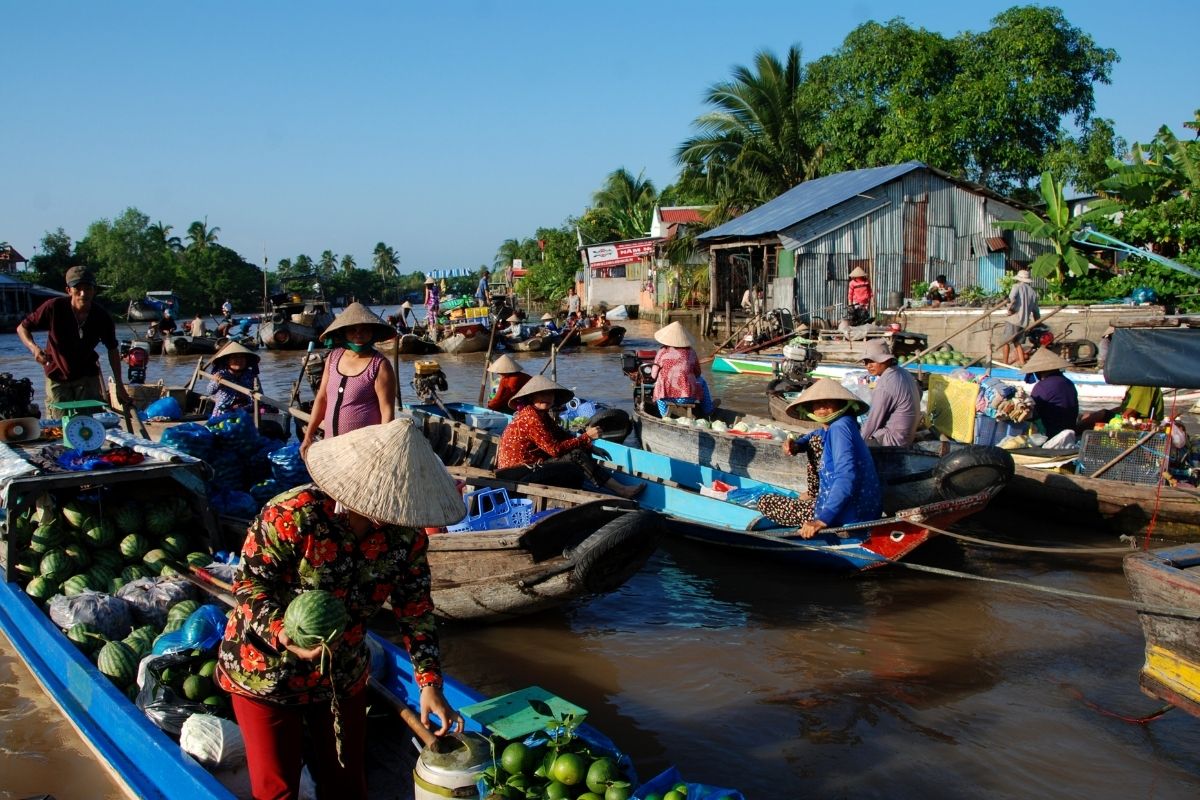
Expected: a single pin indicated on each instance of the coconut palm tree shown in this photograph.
(509, 249)
(200, 235)
(761, 133)
(327, 263)
(387, 263)
(348, 264)
(624, 205)
(162, 234)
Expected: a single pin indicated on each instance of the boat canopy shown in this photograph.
(1164, 357)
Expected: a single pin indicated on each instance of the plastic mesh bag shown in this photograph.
(670, 778)
(161, 704)
(110, 616)
(151, 598)
(190, 438)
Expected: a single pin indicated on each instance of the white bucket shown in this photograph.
(440, 775)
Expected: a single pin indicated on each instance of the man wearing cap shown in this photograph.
(75, 325)
(895, 401)
(483, 295)
(1022, 310)
(1055, 401)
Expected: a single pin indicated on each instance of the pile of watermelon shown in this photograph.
(71, 546)
(952, 358)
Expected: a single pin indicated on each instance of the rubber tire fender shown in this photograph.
(614, 423)
(282, 336)
(182, 346)
(971, 469)
(609, 557)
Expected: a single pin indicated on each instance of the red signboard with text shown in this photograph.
(613, 255)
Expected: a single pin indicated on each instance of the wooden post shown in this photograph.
(728, 320)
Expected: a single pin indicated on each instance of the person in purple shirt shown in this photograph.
(1055, 401)
(895, 401)
(76, 325)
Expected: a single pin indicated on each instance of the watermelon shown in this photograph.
(79, 555)
(155, 559)
(55, 566)
(40, 588)
(198, 559)
(165, 517)
(76, 584)
(172, 625)
(45, 509)
(75, 513)
(169, 570)
(110, 559)
(85, 637)
(175, 545)
(182, 610)
(27, 564)
(314, 618)
(46, 537)
(138, 645)
(115, 584)
(119, 662)
(101, 534)
(134, 546)
(100, 576)
(133, 572)
(128, 518)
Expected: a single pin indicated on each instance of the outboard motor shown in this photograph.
(428, 379)
(136, 361)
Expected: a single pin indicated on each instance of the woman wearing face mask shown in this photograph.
(358, 386)
(848, 487)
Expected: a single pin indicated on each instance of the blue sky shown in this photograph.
(440, 128)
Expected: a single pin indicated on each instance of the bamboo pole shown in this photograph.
(299, 414)
(1015, 337)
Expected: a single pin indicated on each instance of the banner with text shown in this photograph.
(613, 255)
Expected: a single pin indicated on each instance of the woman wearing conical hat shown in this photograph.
(1055, 401)
(358, 386)
(848, 487)
(236, 364)
(859, 294)
(676, 371)
(534, 448)
(356, 533)
(512, 379)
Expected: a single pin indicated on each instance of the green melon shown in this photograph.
(56, 565)
(208, 668)
(134, 571)
(138, 645)
(154, 560)
(78, 554)
(40, 588)
(175, 545)
(134, 546)
(85, 637)
(128, 518)
(100, 576)
(100, 535)
(110, 559)
(172, 625)
(46, 537)
(76, 584)
(119, 662)
(45, 509)
(26, 565)
(164, 518)
(315, 617)
(182, 610)
(75, 513)
(198, 559)
(115, 584)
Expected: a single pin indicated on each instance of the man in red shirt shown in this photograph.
(75, 325)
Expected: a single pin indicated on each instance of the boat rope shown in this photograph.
(1072, 551)
(1161, 478)
(1144, 720)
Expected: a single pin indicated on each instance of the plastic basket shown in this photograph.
(489, 509)
(1143, 465)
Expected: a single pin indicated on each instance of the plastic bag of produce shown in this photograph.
(164, 408)
(288, 467)
(190, 438)
(202, 630)
(151, 598)
(235, 431)
(235, 503)
(110, 616)
(162, 695)
(667, 780)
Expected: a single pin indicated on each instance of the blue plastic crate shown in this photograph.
(490, 509)
(992, 431)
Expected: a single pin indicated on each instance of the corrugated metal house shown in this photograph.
(903, 224)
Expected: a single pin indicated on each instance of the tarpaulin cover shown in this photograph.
(1163, 357)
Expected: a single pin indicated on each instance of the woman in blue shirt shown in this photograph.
(847, 487)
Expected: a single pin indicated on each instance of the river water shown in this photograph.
(745, 673)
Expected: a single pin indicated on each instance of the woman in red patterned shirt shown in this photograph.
(534, 448)
(512, 379)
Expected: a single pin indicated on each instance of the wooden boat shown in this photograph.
(760, 364)
(530, 344)
(472, 338)
(292, 323)
(184, 345)
(408, 344)
(149, 308)
(673, 489)
(1168, 580)
(602, 336)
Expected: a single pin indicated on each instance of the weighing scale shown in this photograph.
(80, 430)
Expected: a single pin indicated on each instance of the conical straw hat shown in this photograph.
(232, 348)
(547, 316)
(514, 318)
(823, 389)
(540, 383)
(428, 281)
(387, 473)
(358, 314)
(858, 272)
(504, 365)
(1045, 361)
(20, 429)
(406, 304)
(674, 335)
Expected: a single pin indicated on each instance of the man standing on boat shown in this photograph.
(75, 325)
(1022, 310)
(895, 401)
(483, 295)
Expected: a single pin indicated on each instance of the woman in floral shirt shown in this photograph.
(360, 540)
(534, 448)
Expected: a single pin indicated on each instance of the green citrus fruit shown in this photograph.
(568, 769)
(653, 796)
(681, 788)
(601, 773)
(557, 791)
(674, 795)
(513, 758)
(619, 790)
(590, 796)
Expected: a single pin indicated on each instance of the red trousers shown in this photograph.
(275, 751)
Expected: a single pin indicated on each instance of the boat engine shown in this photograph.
(798, 361)
(428, 379)
(136, 361)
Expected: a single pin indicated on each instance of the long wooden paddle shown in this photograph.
(299, 414)
(488, 361)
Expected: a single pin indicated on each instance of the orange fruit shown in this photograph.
(569, 769)
(619, 790)
(514, 757)
(601, 773)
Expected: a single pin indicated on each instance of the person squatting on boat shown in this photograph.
(75, 325)
(512, 379)
(676, 372)
(895, 400)
(235, 364)
(356, 531)
(358, 386)
(847, 488)
(548, 322)
(1055, 400)
(534, 448)
(858, 297)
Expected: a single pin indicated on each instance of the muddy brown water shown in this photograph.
(746, 673)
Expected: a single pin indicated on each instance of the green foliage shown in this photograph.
(621, 209)
(53, 259)
(207, 276)
(918, 289)
(129, 258)
(553, 271)
(1159, 171)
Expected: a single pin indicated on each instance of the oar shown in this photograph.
(299, 414)
(1014, 338)
(948, 337)
(295, 398)
(487, 361)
